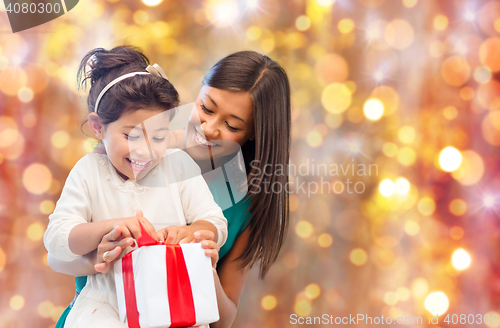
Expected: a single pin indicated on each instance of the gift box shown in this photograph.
(162, 285)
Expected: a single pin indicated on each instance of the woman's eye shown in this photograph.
(129, 137)
(231, 128)
(159, 139)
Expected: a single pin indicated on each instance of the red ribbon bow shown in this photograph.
(180, 296)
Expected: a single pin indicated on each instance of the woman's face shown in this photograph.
(220, 125)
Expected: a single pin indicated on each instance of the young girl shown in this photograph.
(131, 184)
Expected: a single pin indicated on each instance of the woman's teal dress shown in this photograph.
(237, 220)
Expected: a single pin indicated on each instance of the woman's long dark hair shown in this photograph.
(269, 89)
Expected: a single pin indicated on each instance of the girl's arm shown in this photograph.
(230, 282)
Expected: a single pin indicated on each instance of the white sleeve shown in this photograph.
(72, 208)
(196, 198)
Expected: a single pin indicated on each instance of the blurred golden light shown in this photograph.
(267, 45)
(412, 228)
(410, 3)
(302, 308)
(456, 232)
(2, 259)
(254, 33)
(488, 95)
(373, 109)
(268, 302)
(450, 113)
(399, 34)
(336, 98)
(35, 231)
(345, 25)
(325, 240)
(390, 149)
(294, 202)
(222, 12)
(304, 229)
(406, 156)
(387, 188)
(252, 4)
(12, 79)
(325, 3)
(471, 170)
(291, 260)
(140, 17)
(406, 134)
(437, 303)
(47, 207)
(8, 137)
(56, 313)
(302, 23)
(461, 259)
(375, 30)
(450, 159)
(390, 298)
(333, 120)
(402, 186)
(426, 206)
(489, 54)
(60, 139)
(493, 321)
(388, 96)
(25, 94)
(482, 74)
(331, 68)
(490, 127)
(152, 3)
(312, 291)
(45, 309)
(455, 71)
(16, 302)
(89, 144)
(467, 93)
(489, 201)
(37, 178)
(458, 207)
(419, 287)
(358, 256)
(403, 293)
(497, 25)
(314, 139)
(440, 22)
(437, 49)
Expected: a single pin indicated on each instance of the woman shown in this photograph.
(245, 100)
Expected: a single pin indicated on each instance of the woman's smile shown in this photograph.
(202, 141)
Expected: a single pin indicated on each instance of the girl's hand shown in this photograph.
(129, 227)
(113, 244)
(176, 235)
(209, 245)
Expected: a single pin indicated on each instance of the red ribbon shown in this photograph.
(180, 296)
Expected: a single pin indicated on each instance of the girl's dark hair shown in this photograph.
(269, 89)
(139, 91)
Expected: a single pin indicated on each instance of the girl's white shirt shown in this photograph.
(172, 193)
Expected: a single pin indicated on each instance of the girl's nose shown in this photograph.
(210, 129)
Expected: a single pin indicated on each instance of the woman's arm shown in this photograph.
(230, 282)
(84, 266)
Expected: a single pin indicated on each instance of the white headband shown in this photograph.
(155, 70)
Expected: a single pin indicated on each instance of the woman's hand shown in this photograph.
(113, 243)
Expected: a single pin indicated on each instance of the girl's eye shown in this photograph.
(129, 137)
(231, 128)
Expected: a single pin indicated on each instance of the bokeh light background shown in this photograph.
(408, 86)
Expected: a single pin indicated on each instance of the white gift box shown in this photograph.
(170, 286)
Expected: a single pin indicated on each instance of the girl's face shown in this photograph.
(220, 124)
(136, 142)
